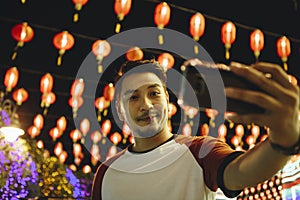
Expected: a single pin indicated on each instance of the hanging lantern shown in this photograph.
(33, 131)
(77, 150)
(75, 103)
(20, 95)
(61, 123)
(96, 137)
(95, 154)
(197, 26)
(204, 129)
(85, 126)
(126, 132)
(121, 8)
(11, 78)
(101, 104)
(40, 144)
(63, 157)
(162, 14)
(292, 79)
(38, 121)
(166, 60)
(54, 133)
(78, 6)
(23, 1)
(111, 151)
(101, 49)
(46, 83)
(228, 35)
(257, 42)
(86, 169)
(255, 131)
(47, 100)
(75, 135)
(187, 129)
(58, 148)
(134, 53)
(108, 92)
(283, 50)
(105, 129)
(115, 138)
(222, 131)
(21, 33)
(77, 88)
(63, 41)
(239, 130)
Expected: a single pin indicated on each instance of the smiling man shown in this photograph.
(163, 165)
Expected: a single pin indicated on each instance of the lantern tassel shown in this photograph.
(45, 111)
(118, 28)
(285, 66)
(227, 55)
(14, 55)
(160, 39)
(196, 49)
(59, 58)
(75, 17)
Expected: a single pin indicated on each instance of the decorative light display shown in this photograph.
(78, 7)
(63, 41)
(162, 14)
(101, 49)
(167, 60)
(228, 35)
(22, 33)
(256, 42)
(121, 8)
(134, 53)
(283, 50)
(11, 78)
(76, 91)
(197, 26)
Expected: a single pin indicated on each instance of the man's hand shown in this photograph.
(280, 99)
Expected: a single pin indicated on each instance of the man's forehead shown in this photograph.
(138, 80)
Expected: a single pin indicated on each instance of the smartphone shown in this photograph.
(200, 78)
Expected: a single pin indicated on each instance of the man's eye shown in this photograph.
(131, 98)
(154, 93)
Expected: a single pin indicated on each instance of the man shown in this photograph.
(161, 165)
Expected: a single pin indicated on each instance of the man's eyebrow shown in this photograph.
(133, 91)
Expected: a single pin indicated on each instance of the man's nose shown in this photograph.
(146, 104)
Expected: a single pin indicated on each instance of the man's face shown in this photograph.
(143, 104)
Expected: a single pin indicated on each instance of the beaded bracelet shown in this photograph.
(294, 150)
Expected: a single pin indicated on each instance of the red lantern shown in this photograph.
(46, 83)
(187, 129)
(239, 130)
(11, 78)
(22, 33)
(86, 169)
(58, 148)
(204, 129)
(228, 35)
(38, 121)
(101, 104)
(162, 14)
(63, 41)
(75, 135)
(121, 8)
(54, 133)
(47, 100)
(166, 60)
(222, 131)
(105, 127)
(283, 50)
(77, 88)
(33, 131)
(96, 137)
(115, 138)
(77, 150)
(63, 157)
(101, 49)
(134, 53)
(292, 79)
(78, 6)
(61, 123)
(257, 42)
(85, 126)
(75, 103)
(108, 92)
(20, 95)
(197, 26)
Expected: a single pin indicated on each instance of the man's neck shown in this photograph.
(146, 144)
